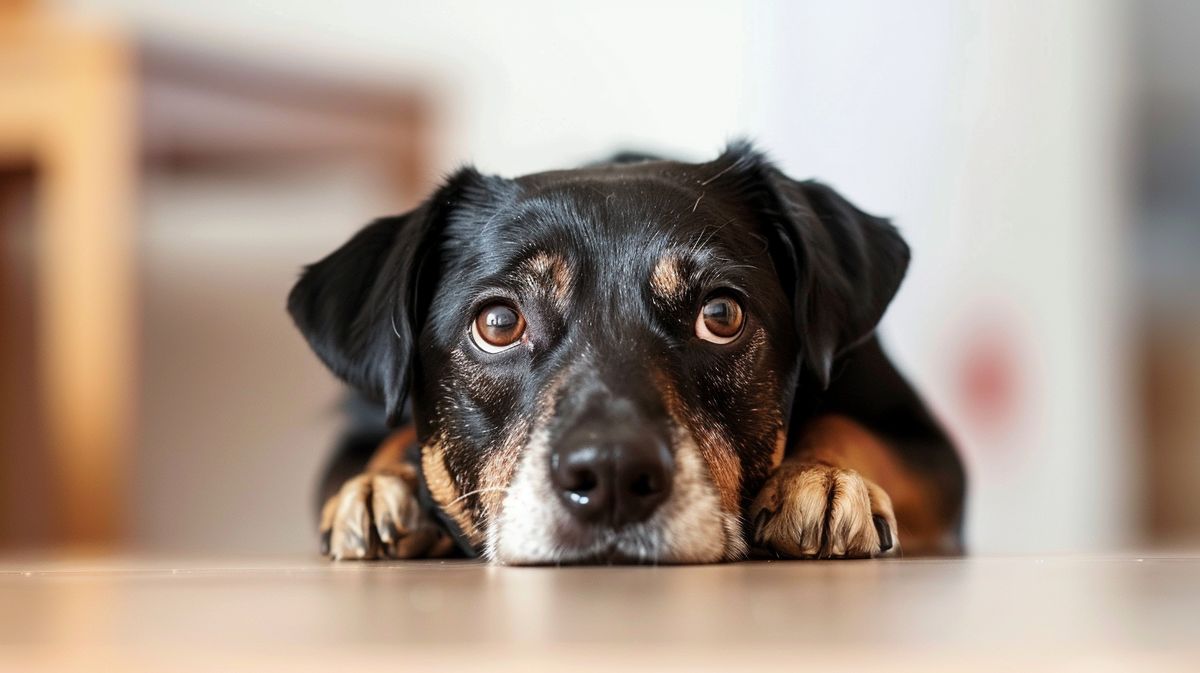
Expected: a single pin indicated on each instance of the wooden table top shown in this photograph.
(1107, 611)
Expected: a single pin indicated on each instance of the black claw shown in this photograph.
(760, 522)
(325, 541)
(885, 533)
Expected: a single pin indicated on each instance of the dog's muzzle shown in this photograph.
(610, 476)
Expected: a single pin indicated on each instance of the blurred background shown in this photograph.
(166, 168)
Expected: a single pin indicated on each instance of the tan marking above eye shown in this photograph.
(497, 327)
(548, 274)
(666, 279)
(543, 263)
(720, 320)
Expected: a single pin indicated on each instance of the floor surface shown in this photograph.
(1077, 612)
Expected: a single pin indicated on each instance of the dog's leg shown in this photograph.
(376, 514)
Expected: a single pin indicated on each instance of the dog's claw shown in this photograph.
(885, 533)
(760, 522)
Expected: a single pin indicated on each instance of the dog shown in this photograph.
(637, 361)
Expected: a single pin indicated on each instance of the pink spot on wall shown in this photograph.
(989, 378)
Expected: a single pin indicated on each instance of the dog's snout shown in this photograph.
(610, 478)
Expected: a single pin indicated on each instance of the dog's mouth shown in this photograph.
(611, 557)
(611, 554)
(581, 543)
(539, 525)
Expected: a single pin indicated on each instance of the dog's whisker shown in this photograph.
(477, 491)
(723, 171)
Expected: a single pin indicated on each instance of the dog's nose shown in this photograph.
(610, 478)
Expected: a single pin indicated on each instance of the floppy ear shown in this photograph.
(357, 307)
(851, 263)
(841, 265)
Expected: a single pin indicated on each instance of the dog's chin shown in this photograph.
(648, 543)
(533, 528)
(644, 544)
(609, 555)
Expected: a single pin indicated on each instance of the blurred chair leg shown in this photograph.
(408, 164)
(86, 273)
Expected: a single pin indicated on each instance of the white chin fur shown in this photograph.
(689, 527)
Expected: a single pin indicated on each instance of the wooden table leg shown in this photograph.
(86, 270)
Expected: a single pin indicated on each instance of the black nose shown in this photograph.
(611, 477)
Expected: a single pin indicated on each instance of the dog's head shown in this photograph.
(602, 362)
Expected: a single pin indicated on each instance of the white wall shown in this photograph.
(988, 129)
(527, 85)
(991, 131)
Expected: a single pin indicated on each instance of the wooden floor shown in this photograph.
(1087, 613)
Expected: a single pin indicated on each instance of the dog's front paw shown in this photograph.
(819, 511)
(376, 515)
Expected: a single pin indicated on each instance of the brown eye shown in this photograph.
(498, 327)
(720, 320)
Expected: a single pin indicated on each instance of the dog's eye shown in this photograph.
(498, 327)
(720, 320)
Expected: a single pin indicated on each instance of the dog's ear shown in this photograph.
(358, 307)
(842, 265)
(853, 264)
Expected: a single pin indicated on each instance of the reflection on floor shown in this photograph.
(305, 614)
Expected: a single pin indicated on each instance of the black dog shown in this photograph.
(637, 361)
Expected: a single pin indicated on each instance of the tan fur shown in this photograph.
(666, 279)
(723, 465)
(780, 447)
(389, 457)
(444, 491)
(547, 273)
(498, 470)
